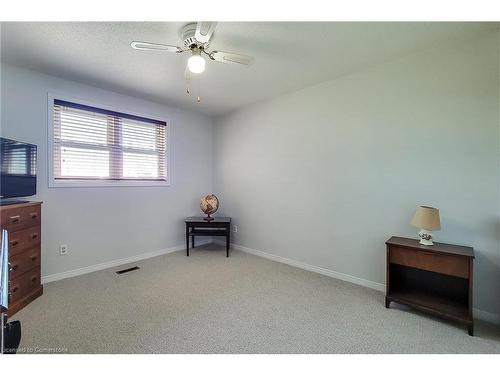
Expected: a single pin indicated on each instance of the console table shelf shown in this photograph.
(422, 301)
(207, 232)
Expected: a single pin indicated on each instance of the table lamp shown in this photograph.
(427, 219)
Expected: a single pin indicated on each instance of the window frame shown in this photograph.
(81, 183)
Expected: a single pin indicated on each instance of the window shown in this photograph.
(99, 145)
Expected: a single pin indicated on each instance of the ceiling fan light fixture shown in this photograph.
(196, 63)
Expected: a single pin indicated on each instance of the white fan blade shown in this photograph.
(204, 31)
(232, 58)
(155, 47)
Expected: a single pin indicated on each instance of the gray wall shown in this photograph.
(104, 224)
(326, 174)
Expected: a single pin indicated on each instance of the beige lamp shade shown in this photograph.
(426, 218)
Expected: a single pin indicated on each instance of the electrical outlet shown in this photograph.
(235, 228)
(63, 249)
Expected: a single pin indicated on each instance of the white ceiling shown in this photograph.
(288, 56)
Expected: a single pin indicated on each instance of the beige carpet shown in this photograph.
(208, 303)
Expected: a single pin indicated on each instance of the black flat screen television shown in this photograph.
(18, 169)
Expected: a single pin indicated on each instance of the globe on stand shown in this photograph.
(209, 205)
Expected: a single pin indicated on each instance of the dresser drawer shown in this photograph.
(23, 239)
(20, 218)
(24, 262)
(429, 261)
(24, 284)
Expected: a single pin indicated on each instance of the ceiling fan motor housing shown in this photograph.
(187, 35)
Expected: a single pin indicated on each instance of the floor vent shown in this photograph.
(127, 270)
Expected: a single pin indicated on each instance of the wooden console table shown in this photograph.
(436, 279)
(198, 226)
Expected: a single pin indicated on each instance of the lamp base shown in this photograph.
(425, 237)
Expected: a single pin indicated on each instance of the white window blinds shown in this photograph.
(96, 144)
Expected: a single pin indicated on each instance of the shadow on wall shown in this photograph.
(486, 262)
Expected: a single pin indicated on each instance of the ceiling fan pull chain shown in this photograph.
(198, 98)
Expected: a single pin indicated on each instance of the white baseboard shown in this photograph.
(486, 316)
(114, 263)
(310, 267)
(478, 314)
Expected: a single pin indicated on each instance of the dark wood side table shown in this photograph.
(436, 279)
(198, 226)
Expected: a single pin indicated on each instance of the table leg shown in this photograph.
(187, 241)
(470, 329)
(228, 235)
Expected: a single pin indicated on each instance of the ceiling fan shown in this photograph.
(196, 38)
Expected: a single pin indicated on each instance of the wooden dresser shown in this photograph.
(435, 279)
(23, 223)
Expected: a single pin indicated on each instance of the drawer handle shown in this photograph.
(33, 258)
(14, 289)
(13, 267)
(33, 279)
(34, 215)
(15, 219)
(34, 236)
(14, 243)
